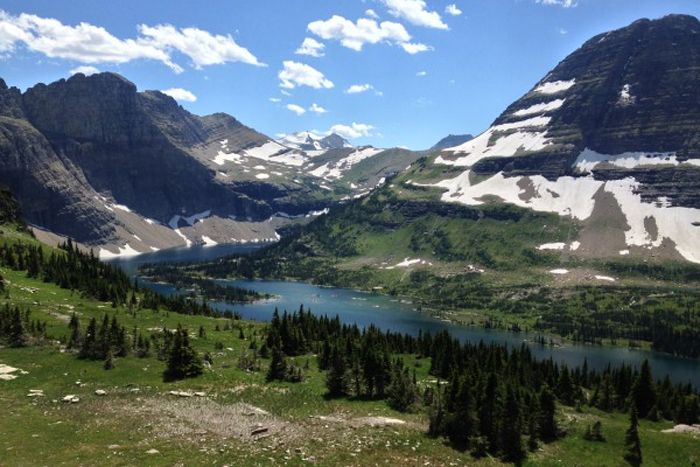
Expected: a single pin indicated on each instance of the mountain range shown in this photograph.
(128, 172)
(607, 140)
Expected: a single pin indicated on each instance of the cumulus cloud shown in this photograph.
(297, 109)
(352, 131)
(90, 44)
(359, 88)
(422, 73)
(180, 94)
(371, 14)
(275, 99)
(87, 70)
(415, 47)
(311, 47)
(453, 10)
(561, 3)
(354, 35)
(296, 74)
(202, 47)
(317, 109)
(415, 12)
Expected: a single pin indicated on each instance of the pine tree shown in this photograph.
(643, 394)
(402, 392)
(511, 429)
(336, 379)
(183, 361)
(633, 446)
(17, 336)
(74, 326)
(461, 422)
(87, 350)
(278, 365)
(546, 417)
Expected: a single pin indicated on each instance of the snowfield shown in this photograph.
(554, 87)
(540, 108)
(574, 196)
(589, 159)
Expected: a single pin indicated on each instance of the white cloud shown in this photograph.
(561, 3)
(414, 11)
(297, 109)
(359, 88)
(299, 74)
(371, 14)
(311, 47)
(202, 47)
(415, 47)
(180, 94)
(90, 44)
(87, 70)
(355, 35)
(563, 31)
(275, 99)
(285, 93)
(315, 108)
(453, 10)
(422, 73)
(352, 131)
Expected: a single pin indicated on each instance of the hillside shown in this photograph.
(499, 232)
(128, 172)
(64, 404)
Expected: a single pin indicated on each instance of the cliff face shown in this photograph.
(92, 158)
(630, 90)
(610, 136)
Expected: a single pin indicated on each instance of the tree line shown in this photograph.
(489, 399)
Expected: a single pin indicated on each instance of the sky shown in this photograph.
(382, 72)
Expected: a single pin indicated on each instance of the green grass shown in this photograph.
(41, 431)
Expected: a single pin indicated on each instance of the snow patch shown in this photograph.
(552, 246)
(540, 108)
(208, 241)
(626, 98)
(262, 176)
(124, 251)
(559, 271)
(589, 159)
(554, 87)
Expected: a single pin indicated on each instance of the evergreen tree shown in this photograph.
(643, 394)
(278, 365)
(633, 445)
(88, 348)
(546, 417)
(511, 429)
(402, 391)
(74, 326)
(183, 361)
(17, 336)
(336, 379)
(461, 423)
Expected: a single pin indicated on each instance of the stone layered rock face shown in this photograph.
(610, 135)
(128, 172)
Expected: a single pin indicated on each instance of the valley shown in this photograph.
(179, 288)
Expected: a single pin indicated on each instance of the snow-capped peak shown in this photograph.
(310, 141)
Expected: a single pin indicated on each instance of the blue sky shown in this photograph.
(468, 60)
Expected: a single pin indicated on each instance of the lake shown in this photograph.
(389, 313)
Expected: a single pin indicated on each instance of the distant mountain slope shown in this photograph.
(451, 141)
(609, 137)
(125, 171)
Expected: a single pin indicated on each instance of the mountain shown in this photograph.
(123, 171)
(609, 137)
(592, 177)
(451, 140)
(308, 141)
